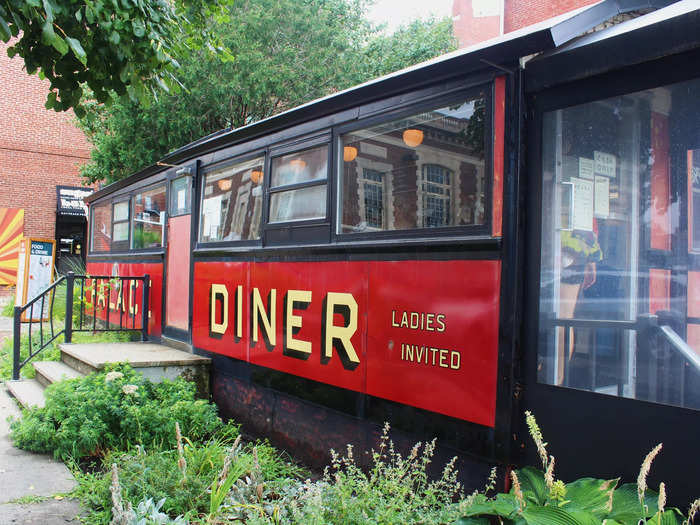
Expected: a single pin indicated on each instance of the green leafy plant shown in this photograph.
(396, 489)
(114, 409)
(538, 498)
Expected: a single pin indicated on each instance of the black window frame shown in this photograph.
(221, 164)
(426, 234)
(107, 203)
(127, 241)
(144, 189)
(300, 231)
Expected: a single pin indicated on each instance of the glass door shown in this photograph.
(619, 257)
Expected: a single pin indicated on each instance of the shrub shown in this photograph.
(537, 497)
(184, 487)
(394, 490)
(114, 409)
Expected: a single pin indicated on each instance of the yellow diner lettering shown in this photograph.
(294, 321)
(218, 290)
(347, 305)
(268, 321)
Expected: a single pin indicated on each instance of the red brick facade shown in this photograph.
(479, 20)
(39, 148)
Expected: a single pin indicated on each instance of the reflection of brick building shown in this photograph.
(479, 20)
(39, 150)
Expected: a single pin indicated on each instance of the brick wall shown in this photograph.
(478, 20)
(521, 13)
(39, 149)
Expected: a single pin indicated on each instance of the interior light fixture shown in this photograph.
(256, 176)
(224, 184)
(349, 153)
(413, 137)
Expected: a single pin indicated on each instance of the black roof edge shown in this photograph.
(508, 48)
(670, 30)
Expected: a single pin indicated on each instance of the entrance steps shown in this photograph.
(155, 361)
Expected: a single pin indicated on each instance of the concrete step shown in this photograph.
(156, 362)
(176, 343)
(48, 372)
(28, 392)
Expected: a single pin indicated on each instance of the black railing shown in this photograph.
(113, 306)
(667, 369)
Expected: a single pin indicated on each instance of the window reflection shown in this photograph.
(618, 247)
(422, 171)
(232, 202)
(308, 167)
(101, 227)
(149, 218)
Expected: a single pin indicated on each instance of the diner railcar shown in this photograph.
(508, 227)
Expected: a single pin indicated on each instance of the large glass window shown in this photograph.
(620, 282)
(298, 185)
(149, 218)
(101, 227)
(423, 171)
(232, 202)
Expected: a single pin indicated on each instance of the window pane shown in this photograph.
(232, 202)
(121, 232)
(301, 204)
(303, 166)
(101, 230)
(121, 211)
(617, 246)
(180, 196)
(422, 171)
(149, 218)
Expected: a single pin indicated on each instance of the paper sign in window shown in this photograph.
(602, 196)
(585, 168)
(583, 204)
(605, 163)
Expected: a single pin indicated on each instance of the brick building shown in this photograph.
(40, 150)
(479, 20)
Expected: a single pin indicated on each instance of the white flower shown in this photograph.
(111, 376)
(130, 389)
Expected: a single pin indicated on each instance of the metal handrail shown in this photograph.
(86, 322)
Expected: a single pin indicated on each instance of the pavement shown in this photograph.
(35, 477)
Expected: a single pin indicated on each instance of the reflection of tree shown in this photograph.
(473, 134)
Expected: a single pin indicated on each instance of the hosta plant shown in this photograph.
(538, 498)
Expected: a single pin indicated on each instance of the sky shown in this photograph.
(397, 12)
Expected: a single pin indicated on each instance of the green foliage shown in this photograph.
(115, 409)
(537, 498)
(9, 309)
(112, 46)
(156, 475)
(287, 53)
(396, 489)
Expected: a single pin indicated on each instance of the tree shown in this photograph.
(113, 46)
(286, 52)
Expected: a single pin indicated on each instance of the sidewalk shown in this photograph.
(24, 474)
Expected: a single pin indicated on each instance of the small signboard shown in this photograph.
(69, 200)
(34, 274)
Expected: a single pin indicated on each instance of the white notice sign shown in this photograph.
(602, 196)
(585, 168)
(605, 163)
(181, 196)
(583, 204)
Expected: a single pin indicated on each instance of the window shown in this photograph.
(120, 226)
(101, 227)
(298, 185)
(619, 296)
(435, 196)
(149, 218)
(180, 196)
(232, 202)
(426, 170)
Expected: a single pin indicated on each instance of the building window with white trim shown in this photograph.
(436, 192)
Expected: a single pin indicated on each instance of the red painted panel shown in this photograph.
(459, 377)
(433, 336)
(660, 183)
(694, 337)
(177, 291)
(499, 126)
(659, 290)
(693, 294)
(154, 270)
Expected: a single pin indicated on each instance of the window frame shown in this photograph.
(222, 164)
(425, 234)
(127, 241)
(107, 203)
(164, 239)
